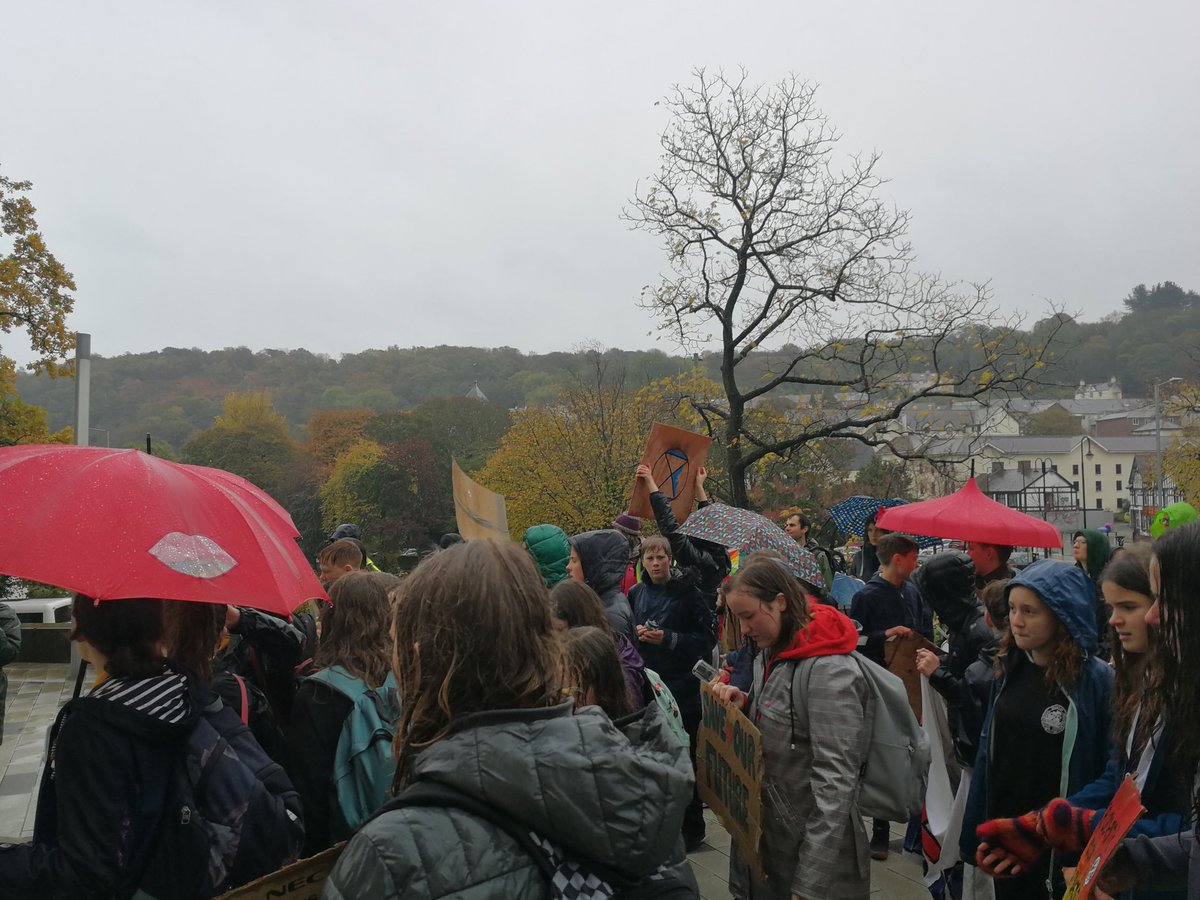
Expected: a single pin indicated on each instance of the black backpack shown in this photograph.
(229, 813)
(567, 878)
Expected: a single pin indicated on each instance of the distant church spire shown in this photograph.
(476, 394)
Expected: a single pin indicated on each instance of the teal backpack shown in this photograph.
(363, 764)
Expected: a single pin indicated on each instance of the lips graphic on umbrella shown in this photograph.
(192, 554)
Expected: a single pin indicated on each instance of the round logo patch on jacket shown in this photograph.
(1054, 719)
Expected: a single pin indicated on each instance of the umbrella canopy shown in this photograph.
(748, 532)
(851, 514)
(115, 524)
(969, 515)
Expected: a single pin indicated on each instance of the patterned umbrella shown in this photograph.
(748, 532)
(851, 514)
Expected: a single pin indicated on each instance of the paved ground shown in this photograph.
(35, 692)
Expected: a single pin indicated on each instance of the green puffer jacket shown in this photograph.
(10, 646)
(548, 546)
(614, 794)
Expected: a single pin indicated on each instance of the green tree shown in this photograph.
(21, 422)
(883, 479)
(35, 288)
(1053, 421)
(769, 243)
(250, 438)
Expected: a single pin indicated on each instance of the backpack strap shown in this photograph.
(245, 710)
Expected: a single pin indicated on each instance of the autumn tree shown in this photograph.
(35, 288)
(572, 463)
(331, 432)
(772, 240)
(21, 422)
(1053, 421)
(249, 438)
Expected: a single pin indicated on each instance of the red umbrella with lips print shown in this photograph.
(118, 524)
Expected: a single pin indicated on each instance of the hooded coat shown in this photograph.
(964, 678)
(612, 794)
(550, 549)
(1068, 592)
(89, 819)
(814, 749)
(10, 647)
(603, 555)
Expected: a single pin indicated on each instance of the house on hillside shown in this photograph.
(1139, 420)
(1105, 390)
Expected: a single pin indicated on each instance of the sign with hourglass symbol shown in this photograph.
(673, 456)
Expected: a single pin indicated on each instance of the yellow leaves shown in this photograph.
(347, 495)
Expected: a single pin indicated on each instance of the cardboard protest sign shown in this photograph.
(1125, 809)
(729, 772)
(479, 512)
(900, 654)
(301, 880)
(673, 456)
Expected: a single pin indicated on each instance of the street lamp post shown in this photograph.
(1158, 459)
(107, 434)
(1083, 474)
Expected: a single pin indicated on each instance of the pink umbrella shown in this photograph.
(969, 515)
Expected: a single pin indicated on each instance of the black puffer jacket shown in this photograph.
(604, 555)
(710, 561)
(947, 582)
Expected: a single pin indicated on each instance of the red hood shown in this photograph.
(829, 633)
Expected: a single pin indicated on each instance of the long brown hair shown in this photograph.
(1135, 673)
(1178, 555)
(766, 577)
(193, 631)
(590, 663)
(577, 605)
(354, 629)
(471, 632)
(128, 632)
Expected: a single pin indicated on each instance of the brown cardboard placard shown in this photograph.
(729, 772)
(900, 654)
(480, 513)
(1119, 816)
(673, 456)
(301, 880)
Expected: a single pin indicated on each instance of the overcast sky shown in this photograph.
(339, 176)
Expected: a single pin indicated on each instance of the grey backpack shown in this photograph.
(897, 768)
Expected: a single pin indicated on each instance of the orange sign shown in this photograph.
(673, 456)
(1125, 809)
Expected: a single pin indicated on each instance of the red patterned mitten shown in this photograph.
(1018, 836)
(1066, 828)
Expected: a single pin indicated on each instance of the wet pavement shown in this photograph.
(36, 691)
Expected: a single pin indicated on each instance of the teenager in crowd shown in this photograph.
(598, 559)
(477, 661)
(1140, 739)
(865, 561)
(991, 562)
(813, 705)
(550, 549)
(1048, 724)
(675, 629)
(354, 658)
(1092, 551)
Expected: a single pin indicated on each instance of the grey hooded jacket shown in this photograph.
(614, 795)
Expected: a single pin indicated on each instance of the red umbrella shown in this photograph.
(115, 524)
(969, 515)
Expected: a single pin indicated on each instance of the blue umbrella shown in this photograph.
(851, 514)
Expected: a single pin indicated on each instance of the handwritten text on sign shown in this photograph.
(729, 772)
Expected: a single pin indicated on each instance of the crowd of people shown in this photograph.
(521, 720)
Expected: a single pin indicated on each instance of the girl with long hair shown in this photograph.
(1140, 740)
(592, 672)
(1047, 728)
(476, 656)
(353, 660)
(814, 707)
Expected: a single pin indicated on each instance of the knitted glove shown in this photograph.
(1066, 828)
(1018, 836)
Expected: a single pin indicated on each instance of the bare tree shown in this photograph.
(773, 240)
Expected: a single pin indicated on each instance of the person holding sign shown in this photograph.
(814, 708)
(1139, 737)
(710, 561)
(1046, 732)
